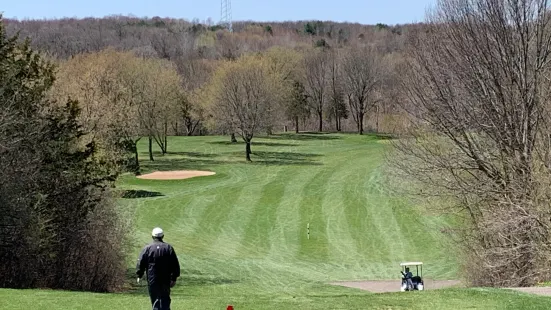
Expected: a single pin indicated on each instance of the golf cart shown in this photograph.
(412, 282)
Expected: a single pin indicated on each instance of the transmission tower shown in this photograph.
(225, 14)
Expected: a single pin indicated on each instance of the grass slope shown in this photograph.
(241, 234)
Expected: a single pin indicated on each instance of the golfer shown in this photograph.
(161, 263)
(408, 275)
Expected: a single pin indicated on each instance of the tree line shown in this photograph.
(189, 43)
(177, 38)
(125, 96)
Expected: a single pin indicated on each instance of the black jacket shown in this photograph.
(161, 263)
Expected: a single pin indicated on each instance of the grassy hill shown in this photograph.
(241, 234)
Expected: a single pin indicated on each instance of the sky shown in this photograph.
(362, 11)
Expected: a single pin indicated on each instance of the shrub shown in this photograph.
(59, 226)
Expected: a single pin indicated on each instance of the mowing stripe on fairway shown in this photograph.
(317, 248)
(392, 246)
(216, 212)
(263, 220)
(342, 246)
(314, 249)
(233, 240)
(288, 229)
(188, 221)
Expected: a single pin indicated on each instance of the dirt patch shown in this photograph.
(387, 286)
(545, 291)
(175, 175)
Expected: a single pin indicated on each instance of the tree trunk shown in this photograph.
(151, 149)
(191, 126)
(296, 124)
(336, 120)
(176, 129)
(320, 116)
(361, 123)
(137, 159)
(192, 129)
(233, 139)
(248, 150)
(165, 150)
(188, 126)
(377, 119)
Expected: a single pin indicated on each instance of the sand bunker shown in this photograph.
(175, 175)
(393, 286)
(545, 291)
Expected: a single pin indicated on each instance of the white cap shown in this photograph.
(157, 232)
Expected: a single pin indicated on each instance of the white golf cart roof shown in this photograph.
(411, 264)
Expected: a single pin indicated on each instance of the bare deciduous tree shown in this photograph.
(243, 92)
(316, 66)
(362, 75)
(336, 106)
(195, 75)
(478, 88)
(109, 96)
(162, 93)
(284, 65)
(124, 97)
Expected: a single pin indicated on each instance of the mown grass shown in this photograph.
(317, 297)
(241, 234)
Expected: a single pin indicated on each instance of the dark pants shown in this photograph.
(409, 283)
(160, 296)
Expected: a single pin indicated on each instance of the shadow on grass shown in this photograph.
(169, 164)
(258, 158)
(302, 136)
(253, 143)
(285, 155)
(159, 155)
(195, 154)
(319, 133)
(284, 158)
(132, 194)
(381, 136)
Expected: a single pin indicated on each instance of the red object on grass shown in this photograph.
(230, 308)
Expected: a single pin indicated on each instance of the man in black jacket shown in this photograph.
(163, 268)
(408, 277)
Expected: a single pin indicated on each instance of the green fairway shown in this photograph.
(241, 234)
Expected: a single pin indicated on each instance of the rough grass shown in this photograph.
(241, 234)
